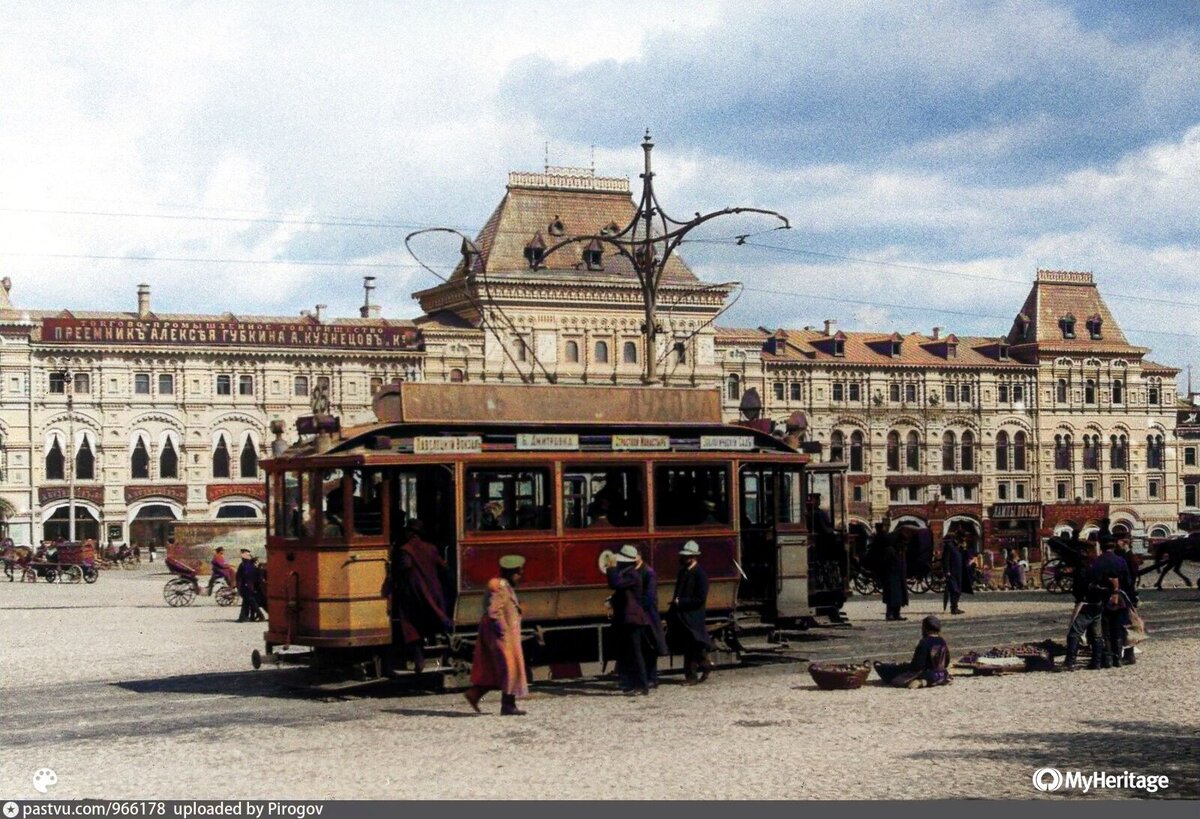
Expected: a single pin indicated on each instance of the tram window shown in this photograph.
(367, 501)
(758, 496)
(295, 506)
(502, 499)
(691, 495)
(597, 497)
(791, 496)
(333, 503)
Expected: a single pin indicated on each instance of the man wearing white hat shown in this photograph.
(686, 617)
(629, 619)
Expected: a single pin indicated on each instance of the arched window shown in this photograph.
(1062, 451)
(248, 462)
(1091, 452)
(1002, 451)
(1154, 452)
(1019, 452)
(1117, 452)
(168, 461)
(456, 376)
(85, 461)
(139, 461)
(601, 352)
(1089, 392)
(1060, 394)
(967, 460)
(1118, 391)
(733, 387)
(856, 451)
(893, 451)
(777, 389)
(912, 452)
(837, 446)
(220, 459)
(629, 352)
(571, 353)
(55, 462)
(949, 445)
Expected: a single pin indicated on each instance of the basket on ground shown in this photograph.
(838, 676)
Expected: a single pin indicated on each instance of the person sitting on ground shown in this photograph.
(1014, 571)
(930, 664)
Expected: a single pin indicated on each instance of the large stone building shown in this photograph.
(155, 417)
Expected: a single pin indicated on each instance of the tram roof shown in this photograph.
(499, 404)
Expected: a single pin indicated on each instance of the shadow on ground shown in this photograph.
(1138, 747)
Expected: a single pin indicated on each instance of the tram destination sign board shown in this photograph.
(447, 445)
(229, 332)
(546, 441)
(740, 443)
(641, 443)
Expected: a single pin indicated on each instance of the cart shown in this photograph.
(182, 589)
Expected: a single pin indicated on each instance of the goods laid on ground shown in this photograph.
(838, 676)
(1020, 657)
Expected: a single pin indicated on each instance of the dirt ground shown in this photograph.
(125, 697)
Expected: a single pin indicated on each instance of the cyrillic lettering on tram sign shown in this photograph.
(436, 445)
(641, 442)
(546, 441)
(741, 443)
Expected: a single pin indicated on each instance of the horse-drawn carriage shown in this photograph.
(184, 587)
(73, 562)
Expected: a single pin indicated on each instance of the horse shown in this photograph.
(1170, 554)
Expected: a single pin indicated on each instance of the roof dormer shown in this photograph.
(535, 251)
(1067, 323)
(952, 346)
(839, 344)
(593, 255)
(1094, 323)
(895, 345)
(1023, 326)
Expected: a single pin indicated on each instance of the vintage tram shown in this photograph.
(563, 476)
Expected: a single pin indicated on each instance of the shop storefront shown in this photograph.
(1013, 526)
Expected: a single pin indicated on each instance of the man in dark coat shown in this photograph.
(1111, 572)
(247, 585)
(629, 620)
(1090, 591)
(655, 644)
(893, 570)
(686, 616)
(418, 594)
(952, 571)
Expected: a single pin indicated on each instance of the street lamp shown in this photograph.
(648, 242)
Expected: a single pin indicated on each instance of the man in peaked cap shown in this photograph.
(499, 660)
(629, 619)
(686, 616)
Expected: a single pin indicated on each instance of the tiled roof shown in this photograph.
(1063, 294)
(870, 349)
(527, 212)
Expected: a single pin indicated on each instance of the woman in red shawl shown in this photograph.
(499, 661)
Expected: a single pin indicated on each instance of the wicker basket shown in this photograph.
(838, 676)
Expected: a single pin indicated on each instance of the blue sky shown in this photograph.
(983, 140)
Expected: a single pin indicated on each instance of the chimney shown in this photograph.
(143, 300)
(368, 310)
(320, 312)
(305, 313)
(830, 326)
(937, 333)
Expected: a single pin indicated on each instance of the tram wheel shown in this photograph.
(178, 593)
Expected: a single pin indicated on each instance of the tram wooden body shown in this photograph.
(562, 476)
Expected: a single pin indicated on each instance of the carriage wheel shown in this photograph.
(1054, 573)
(51, 575)
(256, 659)
(226, 595)
(918, 585)
(29, 576)
(178, 592)
(90, 575)
(937, 583)
(72, 574)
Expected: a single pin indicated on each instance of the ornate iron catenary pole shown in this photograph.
(648, 242)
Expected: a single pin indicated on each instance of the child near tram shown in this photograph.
(930, 664)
